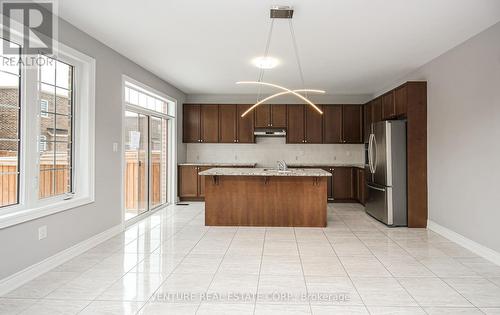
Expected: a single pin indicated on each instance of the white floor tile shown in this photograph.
(382, 292)
(479, 291)
(433, 292)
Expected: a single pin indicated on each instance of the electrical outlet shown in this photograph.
(235, 157)
(296, 158)
(348, 153)
(42, 232)
(335, 158)
(115, 146)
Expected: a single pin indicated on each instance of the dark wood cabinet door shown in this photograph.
(227, 123)
(313, 125)
(388, 106)
(188, 181)
(209, 123)
(377, 109)
(352, 128)
(278, 116)
(400, 98)
(245, 125)
(295, 129)
(201, 181)
(332, 124)
(191, 123)
(367, 120)
(343, 183)
(329, 183)
(262, 116)
(360, 185)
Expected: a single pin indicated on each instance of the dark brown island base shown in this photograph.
(265, 197)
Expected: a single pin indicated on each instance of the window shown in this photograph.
(10, 121)
(44, 109)
(138, 96)
(46, 152)
(55, 163)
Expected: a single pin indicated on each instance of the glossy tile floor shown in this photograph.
(170, 263)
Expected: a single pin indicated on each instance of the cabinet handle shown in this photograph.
(271, 124)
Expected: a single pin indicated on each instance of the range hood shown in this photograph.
(266, 132)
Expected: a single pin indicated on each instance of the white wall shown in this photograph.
(286, 99)
(269, 150)
(464, 137)
(19, 244)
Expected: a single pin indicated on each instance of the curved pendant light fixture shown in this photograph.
(282, 12)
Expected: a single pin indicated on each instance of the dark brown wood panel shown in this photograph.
(313, 125)
(295, 130)
(209, 123)
(332, 124)
(278, 116)
(329, 183)
(400, 99)
(367, 120)
(263, 116)
(352, 124)
(343, 183)
(227, 123)
(201, 181)
(360, 185)
(245, 125)
(191, 123)
(188, 181)
(417, 153)
(265, 201)
(388, 106)
(377, 109)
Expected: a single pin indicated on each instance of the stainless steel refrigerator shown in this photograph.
(386, 169)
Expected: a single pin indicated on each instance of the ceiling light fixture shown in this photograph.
(266, 62)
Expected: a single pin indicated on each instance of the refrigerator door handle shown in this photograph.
(376, 188)
(374, 154)
(370, 153)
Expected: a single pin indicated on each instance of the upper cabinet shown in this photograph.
(400, 100)
(209, 123)
(313, 125)
(332, 124)
(352, 124)
(388, 106)
(270, 116)
(296, 124)
(377, 109)
(228, 124)
(368, 119)
(244, 125)
(191, 123)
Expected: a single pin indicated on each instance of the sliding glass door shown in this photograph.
(136, 164)
(145, 174)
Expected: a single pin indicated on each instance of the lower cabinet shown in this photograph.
(343, 183)
(360, 185)
(191, 186)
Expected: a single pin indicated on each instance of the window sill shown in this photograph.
(26, 215)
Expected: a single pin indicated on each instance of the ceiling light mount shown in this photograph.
(281, 12)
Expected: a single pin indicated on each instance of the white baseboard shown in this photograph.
(481, 250)
(18, 279)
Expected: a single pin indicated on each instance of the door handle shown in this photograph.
(376, 188)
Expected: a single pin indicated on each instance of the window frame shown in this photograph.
(30, 206)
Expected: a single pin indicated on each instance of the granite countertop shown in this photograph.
(358, 165)
(218, 164)
(310, 172)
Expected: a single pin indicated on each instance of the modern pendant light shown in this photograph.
(281, 12)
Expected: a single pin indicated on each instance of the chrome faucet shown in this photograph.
(282, 165)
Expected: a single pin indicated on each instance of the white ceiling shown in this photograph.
(346, 46)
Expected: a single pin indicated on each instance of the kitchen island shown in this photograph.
(265, 197)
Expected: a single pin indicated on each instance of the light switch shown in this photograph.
(42, 232)
(115, 146)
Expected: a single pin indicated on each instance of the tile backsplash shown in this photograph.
(269, 150)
